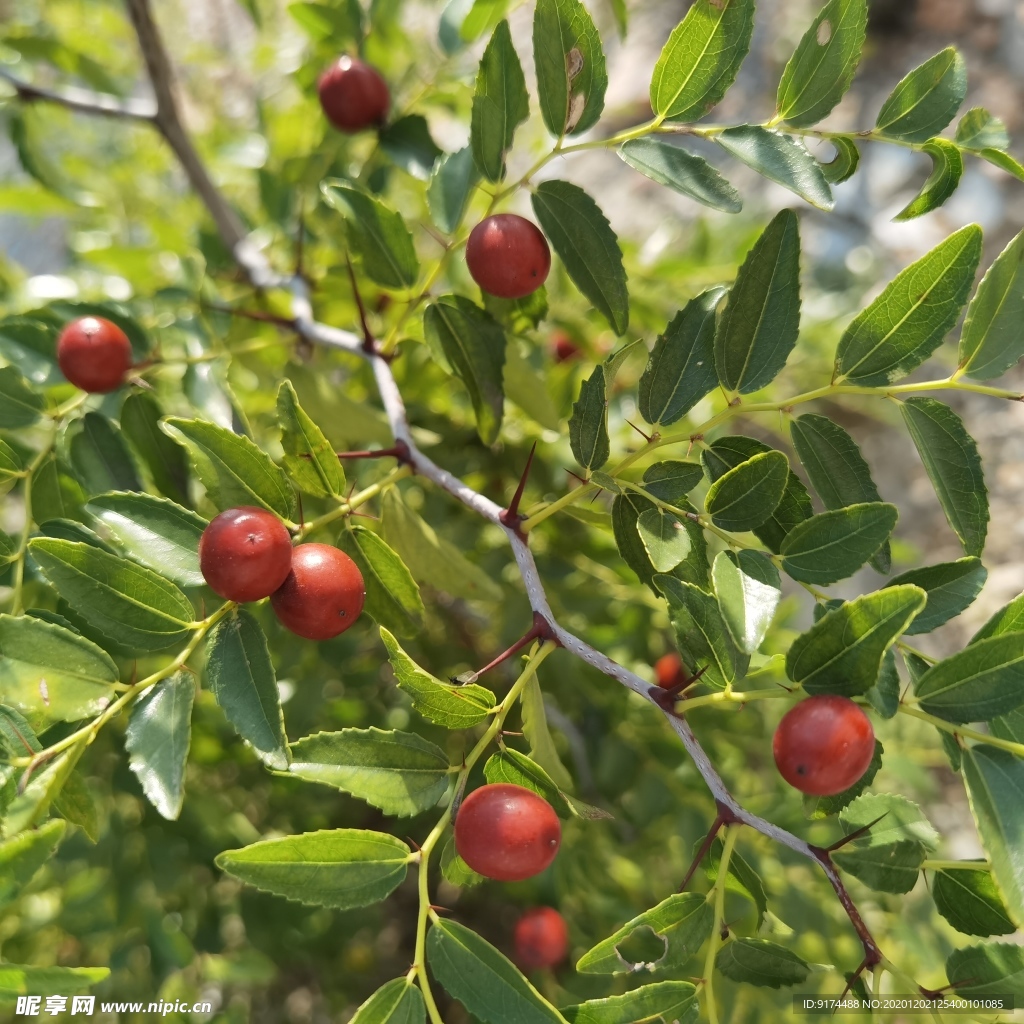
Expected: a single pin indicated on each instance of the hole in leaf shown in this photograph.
(824, 32)
(643, 945)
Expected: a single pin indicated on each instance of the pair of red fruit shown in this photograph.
(506, 254)
(316, 591)
(822, 746)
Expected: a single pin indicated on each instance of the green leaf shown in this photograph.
(17, 737)
(451, 184)
(1009, 619)
(22, 856)
(888, 857)
(588, 424)
(525, 384)
(399, 772)
(683, 922)
(487, 984)
(836, 469)
(165, 460)
(947, 170)
(674, 1001)
(10, 467)
(408, 143)
(538, 735)
(454, 707)
(760, 962)
(926, 100)
(232, 468)
(701, 58)
(500, 104)
(626, 511)
(822, 68)
(154, 531)
(1004, 161)
(123, 600)
(341, 868)
(681, 368)
(833, 545)
(100, 456)
(989, 969)
(968, 898)
(30, 345)
(995, 785)
(157, 740)
(779, 158)
(748, 590)
(979, 130)
(701, 634)
(432, 559)
(309, 458)
(842, 652)
(20, 406)
(483, 16)
(664, 537)
(907, 322)
(951, 459)
(21, 979)
(991, 342)
(741, 877)
(684, 172)
(56, 492)
(760, 318)
(33, 801)
(376, 234)
(951, 587)
(473, 344)
(51, 672)
(587, 246)
(728, 452)
(397, 1002)
(392, 596)
(672, 480)
(747, 495)
(571, 75)
(844, 164)
(510, 766)
(241, 675)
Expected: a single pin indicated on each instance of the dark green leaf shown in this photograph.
(833, 545)
(947, 170)
(842, 652)
(157, 741)
(664, 537)
(968, 898)
(30, 345)
(232, 468)
(500, 104)
(20, 406)
(399, 772)
(819, 73)
(836, 469)
(487, 984)
(154, 531)
(989, 969)
(473, 345)
(950, 457)
(674, 1001)
(342, 868)
(588, 424)
(844, 164)
(748, 589)
(741, 877)
(241, 675)
(760, 962)
(407, 141)
(924, 102)
(991, 342)
(123, 600)
(454, 178)
(571, 76)
(683, 922)
(309, 458)
(165, 460)
(1009, 619)
(979, 130)
(779, 158)
(1009, 726)
(392, 596)
(681, 368)
(951, 587)
(33, 800)
(745, 497)
(761, 317)
(56, 492)
(701, 58)
(454, 707)
(100, 456)
(22, 856)
(908, 321)
(671, 481)
(684, 172)
(626, 511)
(397, 1002)
(587, 246)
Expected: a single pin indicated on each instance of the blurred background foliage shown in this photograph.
(94, 210)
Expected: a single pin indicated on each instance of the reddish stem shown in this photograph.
(716, 827)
